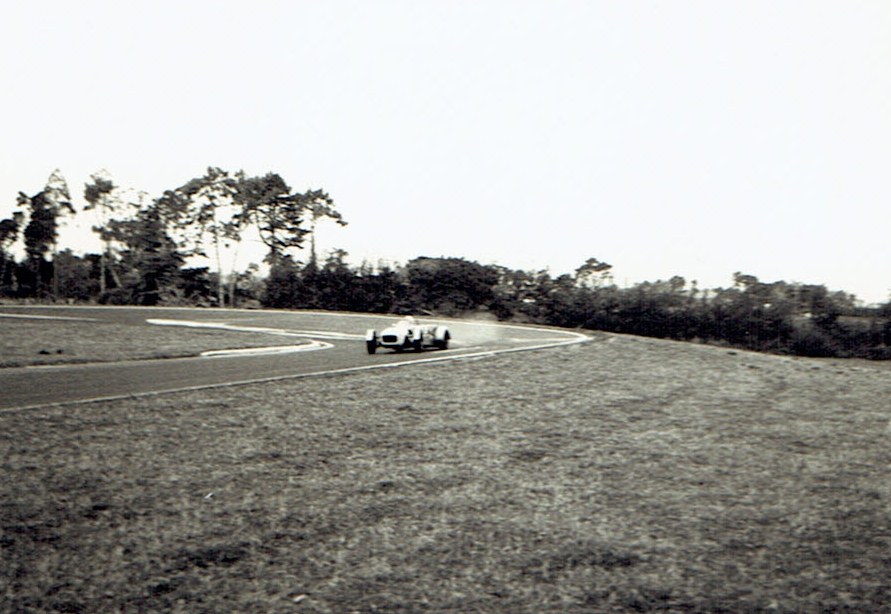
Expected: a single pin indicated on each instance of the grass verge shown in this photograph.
(623, 475)
(45, 342)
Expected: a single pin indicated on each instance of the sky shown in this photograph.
(691, 138)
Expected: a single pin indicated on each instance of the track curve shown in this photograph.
(338, 337)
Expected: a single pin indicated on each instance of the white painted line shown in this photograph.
(320, 334)
(220, 326)
(256, 329)
(459, 349)
(59, 366)
(311, 346)
(544, 340)
(275, 349)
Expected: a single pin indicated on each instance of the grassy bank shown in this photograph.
(45, 342)
(623, 475)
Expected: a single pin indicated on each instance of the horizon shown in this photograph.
(688, 139)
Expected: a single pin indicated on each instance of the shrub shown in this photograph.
(809, 341)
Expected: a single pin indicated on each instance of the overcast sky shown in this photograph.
(666, 138)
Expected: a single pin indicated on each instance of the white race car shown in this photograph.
(407, 334)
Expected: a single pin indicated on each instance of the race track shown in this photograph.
(336, 344)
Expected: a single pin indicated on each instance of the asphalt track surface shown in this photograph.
(331, 343)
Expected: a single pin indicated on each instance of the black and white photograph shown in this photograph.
(468, 306)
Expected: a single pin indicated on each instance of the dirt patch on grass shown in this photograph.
(45, 342)
(623, 475)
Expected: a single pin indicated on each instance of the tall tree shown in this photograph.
(320, 206)
(277, 213)
(593, 273)
(102, 195)
(9, 233)
(59, 198)
(39, 235)
(46, 209)
(213, 215)
(150, 258)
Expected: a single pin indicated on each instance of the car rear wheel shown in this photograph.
(443, 344)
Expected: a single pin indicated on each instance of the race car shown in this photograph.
(408, 334)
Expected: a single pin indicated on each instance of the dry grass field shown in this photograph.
(47, 342)
(626, 474)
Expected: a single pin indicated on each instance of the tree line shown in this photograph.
(146, 245)
(778, 317)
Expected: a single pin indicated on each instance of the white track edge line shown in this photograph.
(312, 346)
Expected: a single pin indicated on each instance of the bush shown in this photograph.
(809, 341)
(878, 353)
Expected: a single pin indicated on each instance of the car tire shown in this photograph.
(418, 344)
(371, 345)
(443, 343)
